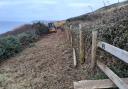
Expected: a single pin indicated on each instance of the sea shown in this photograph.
(6, 26)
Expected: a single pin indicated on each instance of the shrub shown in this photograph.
(40, 28)
(28, 37)
(2, 50)
(9, 46)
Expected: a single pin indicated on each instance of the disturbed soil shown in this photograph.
(46, 65)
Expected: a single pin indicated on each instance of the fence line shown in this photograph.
(123, 55)
(117, 52)
(70, 40)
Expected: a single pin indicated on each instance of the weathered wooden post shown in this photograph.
(82, 46)
(74, 57)
(80, 27)
(70, 35)
(70, 27)
(71, 38)
(94, 47)
(68, 32)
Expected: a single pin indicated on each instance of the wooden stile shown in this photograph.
(113, 81)
(96, 84)
(117, 52)
(118, 81)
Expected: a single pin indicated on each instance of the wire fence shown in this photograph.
(81, 41)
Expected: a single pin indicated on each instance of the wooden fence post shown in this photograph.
(94, 47)
(67, 31)
(70, 27)
(82, 47)
(74, 57)
(71, 38)
(80, 27)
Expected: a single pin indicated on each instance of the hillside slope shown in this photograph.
(112, 27)
(98, 13)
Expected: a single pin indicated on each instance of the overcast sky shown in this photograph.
(29, 10)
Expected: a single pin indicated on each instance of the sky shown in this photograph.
(31, 10)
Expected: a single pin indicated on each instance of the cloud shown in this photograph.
(122, 0)
(9, 2)
(48, 2)
(43, 9)
(27, 2)
(79, 5)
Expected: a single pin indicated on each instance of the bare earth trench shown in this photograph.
(46, 65)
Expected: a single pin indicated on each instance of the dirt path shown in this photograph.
(47, 65)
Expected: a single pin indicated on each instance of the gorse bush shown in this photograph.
(28, 37)
(40, 28)
(2, 50)
(9, 46)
